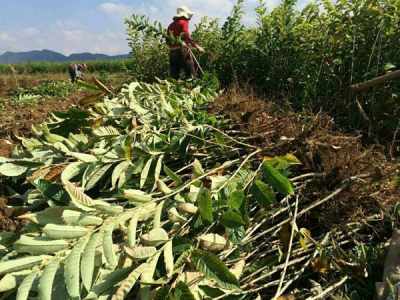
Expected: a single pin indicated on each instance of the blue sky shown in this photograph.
(90, 25)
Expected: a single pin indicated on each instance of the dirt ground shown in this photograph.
(324, 149)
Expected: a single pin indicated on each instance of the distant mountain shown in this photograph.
(52, 56)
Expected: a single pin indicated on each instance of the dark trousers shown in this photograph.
(181, 59)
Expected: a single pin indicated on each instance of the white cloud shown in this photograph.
(115, 9)
(73, 34)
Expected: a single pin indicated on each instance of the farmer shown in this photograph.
(180, 55)
(76, 71)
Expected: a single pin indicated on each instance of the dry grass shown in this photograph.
(322, 148)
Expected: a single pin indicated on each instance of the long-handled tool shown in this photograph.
(196, 61)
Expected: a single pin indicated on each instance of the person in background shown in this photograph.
(180, 55)
(76, 71)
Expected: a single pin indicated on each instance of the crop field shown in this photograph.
(268, 180)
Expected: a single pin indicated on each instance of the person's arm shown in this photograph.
(188, 38)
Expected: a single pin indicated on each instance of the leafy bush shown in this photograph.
(311, 56)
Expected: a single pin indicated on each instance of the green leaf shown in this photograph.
(169, 259)
(108, 246)
(117, 173)
(157, 171)
(71, 171)
(205, 205)
(279, 182)
(129, 282)
(96, 176)
(150, 269)
(145, 173)
(157, 215)
(155, 237)
(12, 170)
(141, 253)
(86, 158)
(54, 231)
(214, 269)
(72, 269)
(132, 231)
(47, 279)
(108, 282)
(25, 287)
(79, 198)
(232, 219)
(171, 174)
(51, 191)
(263, 193)
(182, 292)
(88, 261)
(236, 199)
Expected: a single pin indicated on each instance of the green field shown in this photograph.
(111, 66)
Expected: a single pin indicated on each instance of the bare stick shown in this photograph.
(330, 289)
(359, 87)
(278, 292)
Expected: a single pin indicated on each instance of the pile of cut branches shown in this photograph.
(148, 195)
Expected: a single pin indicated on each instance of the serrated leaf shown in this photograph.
(19, 264)
(96, 176)
(145, 173)
(39, 245)
(106, 131)
(108, 282)
(108, 246)
(73, 217)
(72, 269)
(71, 171)
(214, 269)
(12, 170)
(137, 196)
(158, 168)
(263, 193)
(236, 199)
(140, 252)
(128, 283)
(25, 287)
(88, 261)
(132, 231)
(155, 237)
(51, 191)
(205, 205)
(182, 292)
(169, 259)
(79, 198)
(54, 231)
(116, 175)
(157, 215)
(148, 272)
(83, 157)
(279, 182)
(11, 280)
(47, 279)
(51, 215)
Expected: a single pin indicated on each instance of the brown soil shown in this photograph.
(324, 149)
(8, 217)
(17, 120)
